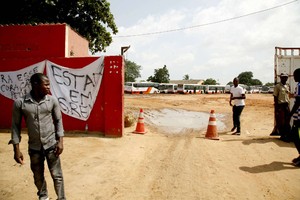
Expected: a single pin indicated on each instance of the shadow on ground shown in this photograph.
(273, 166)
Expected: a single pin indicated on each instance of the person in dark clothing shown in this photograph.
(295, 113)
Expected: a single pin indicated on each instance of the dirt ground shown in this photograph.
(160, 165)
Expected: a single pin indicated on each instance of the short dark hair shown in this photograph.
(37, 78)
(297, 73)
(236, 78)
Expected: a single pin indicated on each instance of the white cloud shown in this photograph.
(220, 51)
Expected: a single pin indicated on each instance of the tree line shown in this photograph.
(161, 75)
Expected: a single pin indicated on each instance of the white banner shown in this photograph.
(76, 89)
(15, 84)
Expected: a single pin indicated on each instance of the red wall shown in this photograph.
(107, 114)
(25, 45)
(48, 40)
(32, 41)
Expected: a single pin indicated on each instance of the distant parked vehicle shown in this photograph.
(265, 89)
(253, 89)
(191, 89)
(271, 90)
(167, 88)
(227, 88)
(141, 87)
(214, 89)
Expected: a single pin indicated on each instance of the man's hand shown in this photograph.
(18, 156)
(59, 147)
(230, 99)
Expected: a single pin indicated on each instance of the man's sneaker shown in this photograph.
(236, 133)
(285, 139)
(297, 164)
(44, 198)
(275, 133)
(295, 160)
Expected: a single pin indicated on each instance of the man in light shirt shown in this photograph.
(45, 132)
(237, 94)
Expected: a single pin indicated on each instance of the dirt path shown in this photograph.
(159, 166)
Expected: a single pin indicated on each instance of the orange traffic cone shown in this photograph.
(211, 132)
(140, 128)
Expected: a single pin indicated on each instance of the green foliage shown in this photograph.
(210, 81)
(245, 78)
(269, 84)
(90, 18)
(186, 77)
(132, 71)
(161, 75)
(256, 82)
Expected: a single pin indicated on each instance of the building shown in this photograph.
(25, 45)
(191, 81)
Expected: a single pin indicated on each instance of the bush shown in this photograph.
(129, 119)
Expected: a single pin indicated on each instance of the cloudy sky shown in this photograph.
(216, 39)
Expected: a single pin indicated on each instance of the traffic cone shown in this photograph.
(211, 132)
(140, 128)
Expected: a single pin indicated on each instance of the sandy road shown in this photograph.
(158, 166)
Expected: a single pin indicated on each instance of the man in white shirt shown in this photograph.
(237, 93)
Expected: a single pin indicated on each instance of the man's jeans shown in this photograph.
(237, 110)
(37, 159)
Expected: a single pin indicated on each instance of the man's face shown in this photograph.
(44, 87)
(283, 79)
(235, 82)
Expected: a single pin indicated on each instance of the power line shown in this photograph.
(206, 24)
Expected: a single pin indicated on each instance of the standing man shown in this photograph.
(237, 93)
(295, 113)
(45, 132)
(282, 109)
